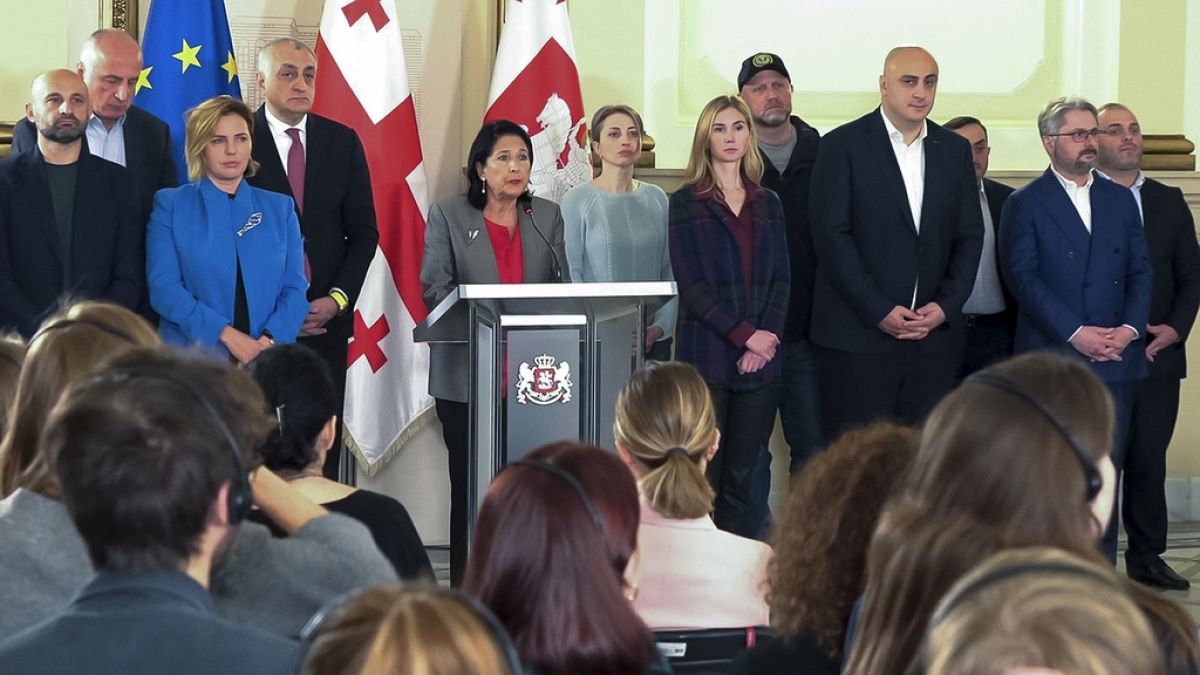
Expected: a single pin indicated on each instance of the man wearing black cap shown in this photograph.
(789, 148)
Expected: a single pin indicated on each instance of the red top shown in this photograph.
(743, 233)
(510, 262)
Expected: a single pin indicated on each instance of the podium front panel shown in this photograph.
(545, 399)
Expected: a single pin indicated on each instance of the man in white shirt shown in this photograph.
(320, 163)
(1073, 254)
(1175, 258)
(110, 64)
(897, 231)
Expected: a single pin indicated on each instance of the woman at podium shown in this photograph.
(616, 225)
(494, 233)
(729, 256)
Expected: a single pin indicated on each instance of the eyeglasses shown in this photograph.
(1081, 135)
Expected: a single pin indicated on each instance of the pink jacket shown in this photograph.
(696, 576)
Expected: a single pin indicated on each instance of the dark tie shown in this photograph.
(295, 168)
(295, 171)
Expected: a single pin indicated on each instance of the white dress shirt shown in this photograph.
(105, 142)
(1080, 196)
(283, 142)
(911, 158)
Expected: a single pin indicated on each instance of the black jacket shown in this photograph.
(792, 188)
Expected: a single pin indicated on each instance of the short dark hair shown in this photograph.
(961, 121)
(138, 457)
(481, 149)
(300, 396)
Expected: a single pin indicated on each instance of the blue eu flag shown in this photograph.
(187, 57)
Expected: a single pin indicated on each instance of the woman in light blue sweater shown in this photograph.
(616, 226)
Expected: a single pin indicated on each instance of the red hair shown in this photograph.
(552, 574)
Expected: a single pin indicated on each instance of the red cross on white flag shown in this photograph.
(363, 84)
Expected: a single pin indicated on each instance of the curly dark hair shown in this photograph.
(821, 541)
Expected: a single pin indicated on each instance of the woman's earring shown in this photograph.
(483, 189)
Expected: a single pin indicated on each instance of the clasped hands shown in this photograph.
(903, 323)
(760, 349)
(1100, 343)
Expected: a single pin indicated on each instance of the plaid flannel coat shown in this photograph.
(715, 309)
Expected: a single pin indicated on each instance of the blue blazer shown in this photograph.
(1063, 278)
(192, 245)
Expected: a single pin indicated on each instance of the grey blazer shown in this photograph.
(454, 256)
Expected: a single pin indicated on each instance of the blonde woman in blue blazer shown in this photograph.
(224, 260)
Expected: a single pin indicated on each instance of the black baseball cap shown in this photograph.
(758, 63)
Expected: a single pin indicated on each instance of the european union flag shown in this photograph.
(187, 56)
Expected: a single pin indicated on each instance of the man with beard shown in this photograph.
(1073, 254)
(897, 233)
(149, 453)
(1175, 258)
(68, 220)
(110, 63)
(789, 147)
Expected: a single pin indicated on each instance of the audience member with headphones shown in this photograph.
(1016, 456)
(408, 629)
(554, 535)
(149, 454)
(270, 584)
(1040, 610)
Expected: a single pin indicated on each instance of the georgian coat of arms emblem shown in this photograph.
(543, 383)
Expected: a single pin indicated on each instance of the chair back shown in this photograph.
(710, 650)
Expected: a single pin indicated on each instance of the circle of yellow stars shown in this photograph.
(187, 56)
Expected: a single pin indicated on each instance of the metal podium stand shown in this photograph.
(547, 362)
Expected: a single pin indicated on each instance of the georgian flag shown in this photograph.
(535, 84)
(363, 84)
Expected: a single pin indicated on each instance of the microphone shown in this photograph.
(556, 264)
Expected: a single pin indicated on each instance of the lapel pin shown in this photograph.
(252, 222)
(471, 234)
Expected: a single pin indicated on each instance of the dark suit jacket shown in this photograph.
(997, 193)
(793, 189)
(1175, 257)
(1065, 278)
(458, 250)
(147, 154)
(869, 252)
(338, 222)
(107, 241)
(718, 307)
(161, 622)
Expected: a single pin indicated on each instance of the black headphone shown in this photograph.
(62, 324)
(562, 473)
(241, 496)
(496, 630)
(956, 596)
(1091, 474)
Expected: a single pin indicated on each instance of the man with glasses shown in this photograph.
(1073, 254)
(1175, 258)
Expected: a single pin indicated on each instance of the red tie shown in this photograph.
(295, 172)
(295, 168)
